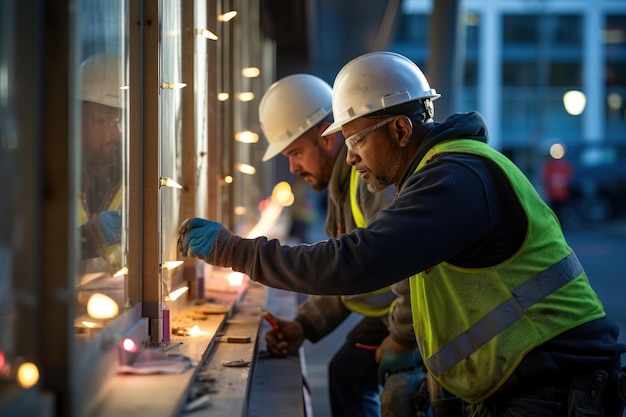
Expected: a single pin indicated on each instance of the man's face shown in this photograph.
(310, 157)
(101, 136)
(377, 158)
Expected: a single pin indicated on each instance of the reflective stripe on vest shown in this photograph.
(524, 296)
(375, 303)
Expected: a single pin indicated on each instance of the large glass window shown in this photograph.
(541, 61)
(615, 76)
(170, 141)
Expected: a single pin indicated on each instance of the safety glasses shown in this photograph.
(353, 140)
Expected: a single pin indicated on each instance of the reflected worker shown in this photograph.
(101, 163)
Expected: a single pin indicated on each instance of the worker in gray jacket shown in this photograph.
(293, 113)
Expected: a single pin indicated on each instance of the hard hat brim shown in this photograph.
(275, 148)
(333, 128)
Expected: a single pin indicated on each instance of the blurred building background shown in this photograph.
(541, 72)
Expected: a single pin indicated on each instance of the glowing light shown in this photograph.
(172, 264)
(557, 151)
(614, 101)
(227, 17)
(168, 182)
(195, 331)
(223, 96)
(235, 278)
(207, 34)
(250, 72)
(614, 36)
(121, 272)
(228, 179)
(240, 210)
(574, 102)
(100, 306)
(89, 324)
(173, 86)
(246, 137)
(246, 169)
(27, 375)
(246, 96)
(129, 345)
(282, 194)
(177, 293)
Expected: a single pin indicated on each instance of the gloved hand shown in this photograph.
(105, 229)
(392, 357)
(197, 238)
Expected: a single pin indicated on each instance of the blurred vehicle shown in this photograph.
(598, 188)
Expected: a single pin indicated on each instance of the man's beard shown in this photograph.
(385, 178)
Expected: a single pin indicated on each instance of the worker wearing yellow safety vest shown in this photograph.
(293, 113)
(100, 199)
(504, 314)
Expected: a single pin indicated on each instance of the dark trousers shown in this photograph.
(548, 401)
(353, 383)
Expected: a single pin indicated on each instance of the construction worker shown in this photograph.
(293, 113)
(100, 197)
(503, 311)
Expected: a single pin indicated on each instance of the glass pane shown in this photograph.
(541, 61)
(615, 77)
(170, 140)
(102, 115)
(203, 67)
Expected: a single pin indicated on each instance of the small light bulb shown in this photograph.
(228, 16)
(129, 345)
(27, 375)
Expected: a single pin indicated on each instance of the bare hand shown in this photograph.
(286, 340)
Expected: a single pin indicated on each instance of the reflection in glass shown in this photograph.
(102, 116)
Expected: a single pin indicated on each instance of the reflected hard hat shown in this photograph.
(290, 107)
(101, 79)
(373, 82)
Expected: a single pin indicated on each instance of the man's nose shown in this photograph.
(294, 167)
(352, 157)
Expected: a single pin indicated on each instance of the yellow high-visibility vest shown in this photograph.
(374, 303)
(475, 325)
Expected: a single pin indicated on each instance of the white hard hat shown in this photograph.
(101, 79)
(373, 82)
(290, 107)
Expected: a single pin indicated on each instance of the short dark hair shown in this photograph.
(416, 110)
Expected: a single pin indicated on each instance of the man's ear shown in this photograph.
(402, 128)
(328, 142)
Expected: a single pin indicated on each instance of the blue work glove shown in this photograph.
(105, 229)
(197, 238)
(394, 361)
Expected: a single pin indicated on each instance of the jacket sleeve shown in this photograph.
(400, 318)
(427, 223)
(320, 315)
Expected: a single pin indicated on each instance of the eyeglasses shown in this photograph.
(353, 140)
(103, 120)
